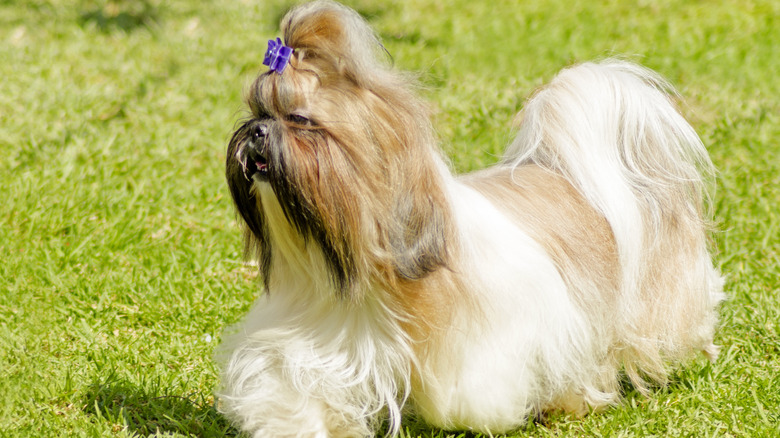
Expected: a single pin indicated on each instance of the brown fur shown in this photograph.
(392, 222)
(550, 210)
(580, 241)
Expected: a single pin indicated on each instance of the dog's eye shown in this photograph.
(299, 120)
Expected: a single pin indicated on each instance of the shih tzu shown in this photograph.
(475, 300)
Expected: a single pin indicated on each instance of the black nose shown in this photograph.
(257, 135)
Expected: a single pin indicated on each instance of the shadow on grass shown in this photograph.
(153, 410)
(414, 426)
(124, 15)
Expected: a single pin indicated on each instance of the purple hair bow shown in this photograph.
(277, 56)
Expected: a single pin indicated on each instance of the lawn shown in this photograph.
(122, 258)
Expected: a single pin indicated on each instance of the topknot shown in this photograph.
(325, 31)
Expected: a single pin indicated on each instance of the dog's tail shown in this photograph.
(613, 131)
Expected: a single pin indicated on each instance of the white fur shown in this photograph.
(611, 130)
(526, 339)
(307, 364)
(304, 365)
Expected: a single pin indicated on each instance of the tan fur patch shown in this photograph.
(551, 211)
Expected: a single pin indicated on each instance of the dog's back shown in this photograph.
(610, 178)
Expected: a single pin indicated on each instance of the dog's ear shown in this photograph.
(337, 39)
(240, 184)
(420, 243)
(256, 241)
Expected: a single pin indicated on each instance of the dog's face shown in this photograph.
(347, 151)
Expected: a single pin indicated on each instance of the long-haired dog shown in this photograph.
(481, 299)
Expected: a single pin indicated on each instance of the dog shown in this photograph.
(477, 300)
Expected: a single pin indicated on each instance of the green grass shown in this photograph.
(120, 253)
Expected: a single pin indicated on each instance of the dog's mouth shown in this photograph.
(252, 155)
(261, 166)
(255, 165)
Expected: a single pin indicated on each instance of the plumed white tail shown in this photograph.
(613, 131)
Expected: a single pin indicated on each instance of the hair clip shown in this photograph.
(277, 56)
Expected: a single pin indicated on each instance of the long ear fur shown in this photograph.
(256, 239)
(419, 245)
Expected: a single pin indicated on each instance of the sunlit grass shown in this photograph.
(121, 259)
